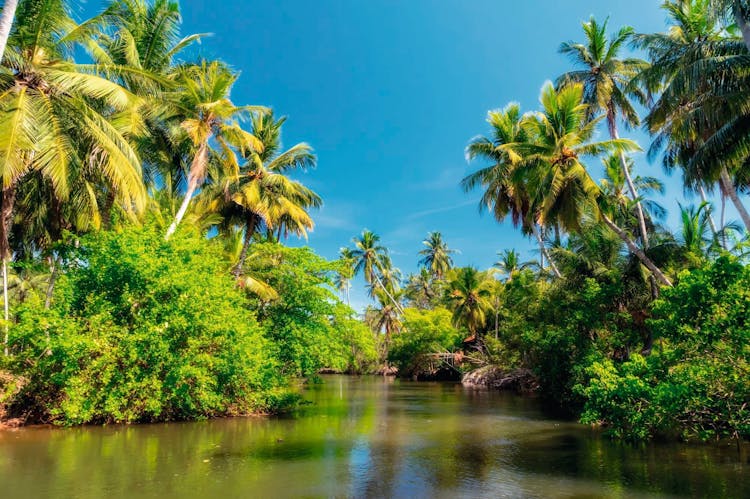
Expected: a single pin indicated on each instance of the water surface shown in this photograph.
(365, 437)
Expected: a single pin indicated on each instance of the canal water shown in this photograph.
(366, 437)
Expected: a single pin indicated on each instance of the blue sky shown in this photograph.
(390, 92)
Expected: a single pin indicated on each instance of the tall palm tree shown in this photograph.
(469, 292)
(372, 260)
(606, 82)
(436, 256)
(420, 288)
(700, 117)
(345, 273)
(506, 192)
(263, 194)
(6, 23)
(564, 190)
(58, 117)
(209, 120)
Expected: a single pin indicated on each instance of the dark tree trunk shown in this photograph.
(250, 225)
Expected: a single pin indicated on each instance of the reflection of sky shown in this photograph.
(364, 437)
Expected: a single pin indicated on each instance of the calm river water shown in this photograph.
(365, 437)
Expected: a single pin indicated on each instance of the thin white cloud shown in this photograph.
(442, 209)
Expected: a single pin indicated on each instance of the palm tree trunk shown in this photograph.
(711, 222)
(388, 294)
(723, 219)
(198, 165)
(543, 249)
(250, 225)
(6, 219)
(730, 190)
(629, 180)
(637, 252)
(6, 23)
(742, 21)
(51, 284)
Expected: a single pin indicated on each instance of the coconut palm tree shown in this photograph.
(59, 118)
(345, 273)
(510, 264)
(263, 196)
(505, 189)
(606, 82)
(699, 119)
(420, 289)
(371, 261)
(436, 256)
(564, 190)
(469, 293)
(209, 121)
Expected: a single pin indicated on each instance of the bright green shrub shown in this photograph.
(424, 332)
(308, 327)
(696, 384)
(144, 330)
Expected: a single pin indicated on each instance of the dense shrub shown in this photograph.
(143, 330)
(696, 384)
(424, 332)
(307, 326)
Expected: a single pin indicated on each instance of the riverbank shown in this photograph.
(364, 436)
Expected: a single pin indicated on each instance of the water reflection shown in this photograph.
(365, 437)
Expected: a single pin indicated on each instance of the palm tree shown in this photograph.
(6, 23)
(606, 84)
(343, 278)
(372, 259)
(700, 118)
(505, 186)
(420, 289)
(564, 190)
(209, 120)
(469, 293)
(695, 230)
(510, 264)
(264, 195)
(436, 256)
(59, 118)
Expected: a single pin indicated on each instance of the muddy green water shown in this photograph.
(365, 437)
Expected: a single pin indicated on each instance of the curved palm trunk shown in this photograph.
(250, 226)
(629, 180)
(6, 23)
(197, 168)
(742, 21)
(722, 219)
(6, 218)
(388, 294)
(656, 271)
(545, 253)
(704, 199)
(728, 185)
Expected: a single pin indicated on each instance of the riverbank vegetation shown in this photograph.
(626, 322)
(144, 216)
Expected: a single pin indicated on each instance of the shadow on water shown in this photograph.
(366, 437)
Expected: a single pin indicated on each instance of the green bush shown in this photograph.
(424, 332)
(697, 382)
(143, 330)
(308, 327)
